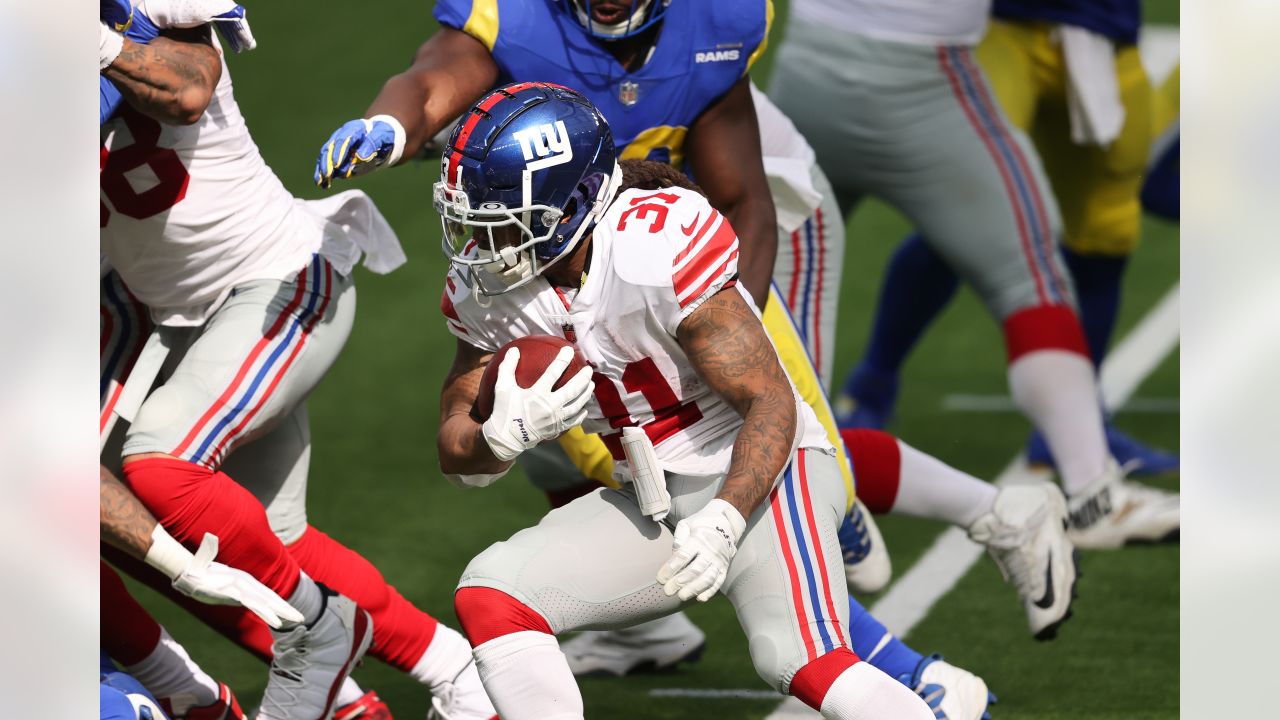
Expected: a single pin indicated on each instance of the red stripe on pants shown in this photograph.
(823, 578)
(797, 595)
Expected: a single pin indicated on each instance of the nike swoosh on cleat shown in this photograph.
(1046, 602)
(688, 229)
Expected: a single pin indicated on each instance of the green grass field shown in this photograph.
(375, 484)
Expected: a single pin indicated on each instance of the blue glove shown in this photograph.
(358, 147)
(117, 14)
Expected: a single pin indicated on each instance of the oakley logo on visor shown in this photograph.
(549, 143)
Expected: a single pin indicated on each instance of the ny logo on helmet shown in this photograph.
(549, 143)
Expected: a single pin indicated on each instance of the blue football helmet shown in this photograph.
(644, 13)
(527, 172)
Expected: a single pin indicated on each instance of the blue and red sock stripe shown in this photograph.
(125, 327)
(811, 596)
(195, 446)
(1045, 235)
(969, 88)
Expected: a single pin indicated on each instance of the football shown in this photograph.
(536, 353)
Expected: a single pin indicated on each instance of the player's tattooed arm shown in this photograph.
(461, 445)
(728, 346)
(125, 523)
(170, 79)
(449, 72)
(724, 152)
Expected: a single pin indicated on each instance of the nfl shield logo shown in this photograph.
(628, 93)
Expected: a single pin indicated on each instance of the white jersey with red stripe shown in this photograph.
(656, 256)
(188, 212)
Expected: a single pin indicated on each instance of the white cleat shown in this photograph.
(867, 568)
(655, 645)
(309, 664)
(952, 693)
(1025, 533)
(462, 699)
(1113, 512)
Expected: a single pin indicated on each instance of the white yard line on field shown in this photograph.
(734, 693)
(909, 599)
(972, 403)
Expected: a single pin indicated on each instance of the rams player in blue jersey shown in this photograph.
(670, 76)
(1070, 76)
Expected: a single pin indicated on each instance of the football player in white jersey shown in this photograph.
(913, 122)
(250, 294)
(747, 491)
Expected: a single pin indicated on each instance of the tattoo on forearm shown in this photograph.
(125, 522)
(154, 77)
(728, 344)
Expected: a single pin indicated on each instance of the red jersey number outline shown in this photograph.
(164, 162)
(641, 209)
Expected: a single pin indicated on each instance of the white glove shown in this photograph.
(226, 15)
(212, 582)
(705, 544)
(522, 417)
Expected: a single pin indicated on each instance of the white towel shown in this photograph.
(1093, 93)
(791, 185)
(353, 226)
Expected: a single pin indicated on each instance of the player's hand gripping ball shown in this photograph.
(534, 389)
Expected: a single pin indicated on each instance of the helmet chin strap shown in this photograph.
(509, 256)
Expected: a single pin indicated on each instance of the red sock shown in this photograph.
(486, 613)
(560, 498)
(1044, 327)
(232, 621)
(877, 467)
(128, 632)
(190, 500)
(401, 632)
(812, 681)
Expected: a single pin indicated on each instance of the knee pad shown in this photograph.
(485, 614)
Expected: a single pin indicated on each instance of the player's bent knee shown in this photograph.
(486, 613)
(811, 682)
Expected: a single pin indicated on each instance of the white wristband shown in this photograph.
(398, 150)
(166, 554)
(110, 43)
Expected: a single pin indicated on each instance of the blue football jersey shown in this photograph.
(1116, 19)
(702, 49)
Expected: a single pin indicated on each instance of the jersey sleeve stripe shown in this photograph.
(482, 24)
(695, 244)
(695, 291)
(764, 41)
(711, 254)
